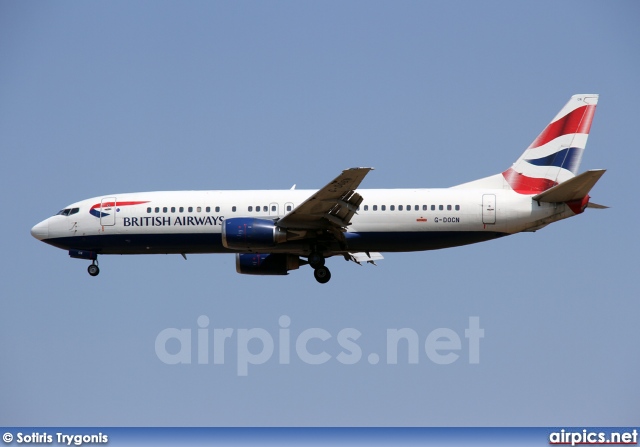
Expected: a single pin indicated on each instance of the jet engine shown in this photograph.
(247, 233)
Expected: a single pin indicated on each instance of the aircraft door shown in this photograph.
(108, 211)
(273, 209)
(489, 209)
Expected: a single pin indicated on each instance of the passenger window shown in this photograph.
(289, 208)
(375, 207)
(416, 208)
(208, 209)
(265, 208)
(391, 207)
(190, 209)
(217, 209)
(457, 207)
(148, 210)
(250, 209)
(433, 207)
(273, 207)
(164, 209)
(173, 209)
(199, 209)
(366, 207)
(425, 207)
(440, 207)
(233, 208)
(399, 207)
(157, 209)
(181, 209)
(383, 207)
(448, 207)
(408, 207)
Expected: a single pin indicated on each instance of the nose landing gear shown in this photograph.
(93, 269)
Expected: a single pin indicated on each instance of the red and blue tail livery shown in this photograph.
(273, 232)
(555, 155)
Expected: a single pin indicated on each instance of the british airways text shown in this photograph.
(157, 221)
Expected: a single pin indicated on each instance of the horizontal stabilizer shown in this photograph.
(596, 206)
(575, 188)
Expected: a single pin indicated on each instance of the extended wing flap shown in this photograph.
(331, 206)
(575, 188)
(369, 257)
(344, 209)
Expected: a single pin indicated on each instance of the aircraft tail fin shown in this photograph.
(554, 156)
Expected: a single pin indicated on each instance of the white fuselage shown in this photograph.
(386, 220)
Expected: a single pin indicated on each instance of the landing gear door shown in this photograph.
(108, 211)
(489, 209)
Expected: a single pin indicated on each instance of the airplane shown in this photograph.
(272, 232)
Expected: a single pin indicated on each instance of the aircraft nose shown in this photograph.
(41, 230)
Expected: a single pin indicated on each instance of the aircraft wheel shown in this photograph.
(322, 275)
(93, 270)
(316, 260)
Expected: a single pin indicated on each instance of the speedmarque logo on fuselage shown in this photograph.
(98, 210)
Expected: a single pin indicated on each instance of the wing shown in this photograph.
(330, 208)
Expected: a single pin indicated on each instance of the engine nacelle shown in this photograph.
(266, 264)
(247, 233)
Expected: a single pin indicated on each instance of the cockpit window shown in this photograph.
(67, 211)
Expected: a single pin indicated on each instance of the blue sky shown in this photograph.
(99, 98)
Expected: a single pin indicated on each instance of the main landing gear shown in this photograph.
(320, 272)
(322, 275)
